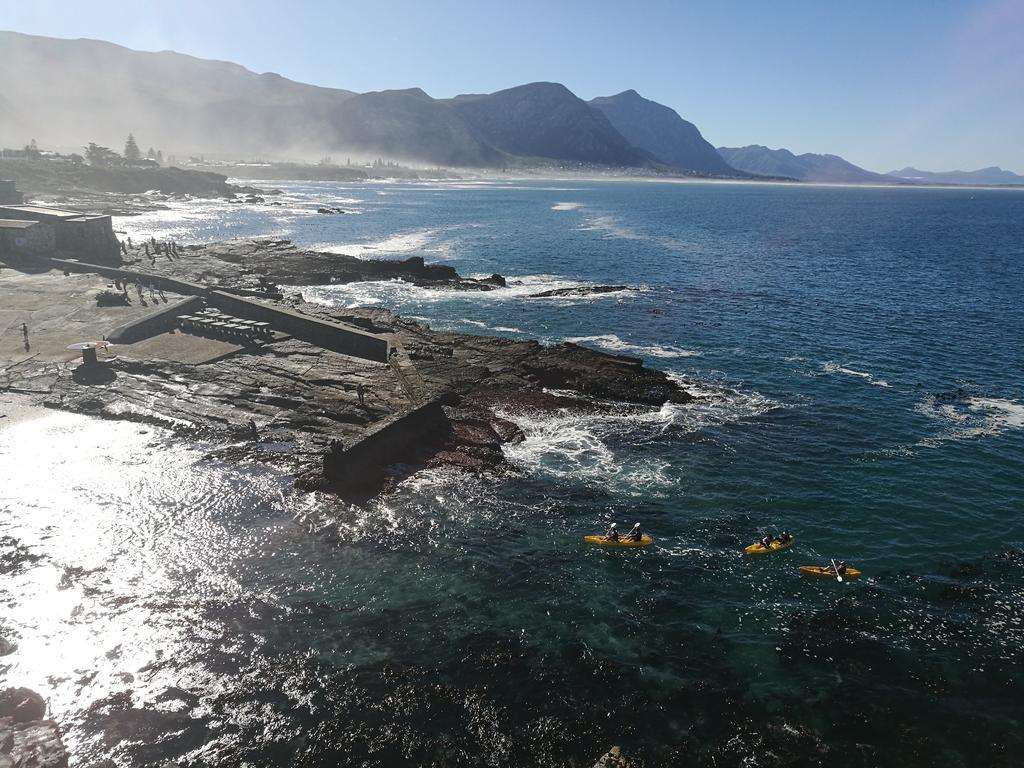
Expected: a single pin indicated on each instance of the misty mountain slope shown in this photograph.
(991, 175)
(408, 123)
(75, 91)
(807, 167)
(68, 92)
(546, 120)
(662, 132)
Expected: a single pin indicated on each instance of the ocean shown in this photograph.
(858, 361)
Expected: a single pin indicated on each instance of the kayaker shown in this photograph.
(613, 534)
(841, 568)
(785, 538)
(635, 534)
(766, 542)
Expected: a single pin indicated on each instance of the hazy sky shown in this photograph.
(933, 84)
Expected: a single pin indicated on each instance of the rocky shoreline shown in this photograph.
(289, 401)
(117, 191)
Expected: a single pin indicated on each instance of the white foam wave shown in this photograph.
(610, 227)
(566, 206)
(972, 418)
(479, 324)
(399, 243)
(831, 367)
(582, 444)
(716, 405)
(399, 293)
(614, 343)
(572, 445)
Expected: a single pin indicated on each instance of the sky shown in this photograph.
(936, 84)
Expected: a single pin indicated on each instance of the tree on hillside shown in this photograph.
(97, 155)
(131, 151)
(160, 156)
(151, 154)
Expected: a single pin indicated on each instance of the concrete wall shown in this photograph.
(154, 323)
(39, 238)
(134, 276)
(362, 464)
(90, 236)
(334, 336)
(337, 337)
(81, 234)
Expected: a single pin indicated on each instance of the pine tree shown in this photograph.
(131, 150)
(97, 155)
(160, 156)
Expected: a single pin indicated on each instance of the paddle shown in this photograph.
(836, 569)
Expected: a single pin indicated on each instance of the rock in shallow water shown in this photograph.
(26, 740)
(613, 758)
(21, 705)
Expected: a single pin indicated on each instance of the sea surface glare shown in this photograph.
(461, 621)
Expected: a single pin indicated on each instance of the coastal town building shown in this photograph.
(74, 233)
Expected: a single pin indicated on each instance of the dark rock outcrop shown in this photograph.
(21, 705)
(26, 739)
(263, 264)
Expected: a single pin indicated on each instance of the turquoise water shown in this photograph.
(461, 622)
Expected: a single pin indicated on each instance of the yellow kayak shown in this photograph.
(759, 549)
(826, 571)
(601, 541)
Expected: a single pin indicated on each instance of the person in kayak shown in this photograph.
(613, 534)
(840, 568)
(635, 534)
(785, 537)
(766, 542)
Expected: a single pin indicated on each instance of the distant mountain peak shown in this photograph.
(809, 166)
(662, 132)
(992, 175)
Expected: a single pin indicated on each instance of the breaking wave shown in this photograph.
(831, 367)
(607, 446)
(972, 418)
(399, 293)
(421, 241)
(614, 343)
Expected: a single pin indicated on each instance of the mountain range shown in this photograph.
(806, 167)
(987, 176)
(65, 93)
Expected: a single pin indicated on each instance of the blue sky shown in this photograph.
(937, 85)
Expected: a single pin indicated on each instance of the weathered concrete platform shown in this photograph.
(179, 347)
(59, 310)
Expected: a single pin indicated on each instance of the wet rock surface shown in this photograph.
(290, 402)
(263, 264)
(26, 739)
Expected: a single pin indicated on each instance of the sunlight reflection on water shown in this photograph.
(111, 536)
